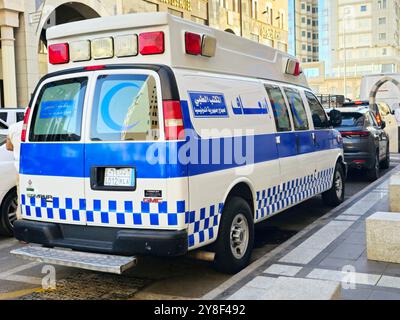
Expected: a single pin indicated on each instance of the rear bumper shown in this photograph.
(359, 160)
(103, 240)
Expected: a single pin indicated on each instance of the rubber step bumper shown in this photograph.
(75, 259)
(114, 241)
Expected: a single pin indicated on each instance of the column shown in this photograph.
(8, 63)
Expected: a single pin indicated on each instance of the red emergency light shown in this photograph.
(193, 43)
(59, 53)
(151, 43)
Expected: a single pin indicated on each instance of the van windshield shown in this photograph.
(125, 108)
(58, 111)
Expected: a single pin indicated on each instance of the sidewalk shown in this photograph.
(326, 250)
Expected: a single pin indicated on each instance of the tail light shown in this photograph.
(25, 124)
(173, 120)
(151, 43)
(59, 53)
(355, 133)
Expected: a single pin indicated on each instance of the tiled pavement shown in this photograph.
(333, 248)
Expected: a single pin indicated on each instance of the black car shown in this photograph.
(366, 145)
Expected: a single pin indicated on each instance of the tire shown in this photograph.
(236, 224)
(385, 164)
(335, 195)
(8, 213)
(373, 173)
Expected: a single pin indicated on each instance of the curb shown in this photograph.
(217, 292)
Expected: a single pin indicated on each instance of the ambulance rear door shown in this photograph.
(126, 170)
(52, 170)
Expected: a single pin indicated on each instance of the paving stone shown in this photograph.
(389, 281)
(334, 275)
(367, 266)
(356, 294)
(261, 282)
(392, 269)
(347, 251)
(384, 295)
(334, 263)
(283, 270)
(248, 293)
(347, 218)
(356, 238)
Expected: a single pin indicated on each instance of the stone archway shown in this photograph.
(65, 12)
(378, 85)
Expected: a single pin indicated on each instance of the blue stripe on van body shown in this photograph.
(66, 159)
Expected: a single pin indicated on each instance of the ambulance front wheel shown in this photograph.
(236, 237)
(335, 195)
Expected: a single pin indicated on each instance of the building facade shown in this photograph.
(357, 38)
(303, 29)
(23, 25)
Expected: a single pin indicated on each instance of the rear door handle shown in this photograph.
(278, 140)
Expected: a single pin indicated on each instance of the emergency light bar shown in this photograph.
(80, 51)
(146, 43)
(292, 67)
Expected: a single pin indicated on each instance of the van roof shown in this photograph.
(234, 55)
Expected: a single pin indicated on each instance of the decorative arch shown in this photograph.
(83, 10)
(378, 85)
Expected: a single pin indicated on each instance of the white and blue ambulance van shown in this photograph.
(153, 135)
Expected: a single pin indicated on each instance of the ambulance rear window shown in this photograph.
(57, 114)
(125, 108)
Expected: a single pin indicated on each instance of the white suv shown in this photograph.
(13, 115)
(8, 192)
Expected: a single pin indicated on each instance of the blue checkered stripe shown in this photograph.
(277, 198)
(105, 212)
(203, 225)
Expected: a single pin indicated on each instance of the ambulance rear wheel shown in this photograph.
(236, 237)
(335, 195)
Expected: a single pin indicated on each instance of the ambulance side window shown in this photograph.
(279, 107)
(125, 108)
(319, 116)
(298, 110)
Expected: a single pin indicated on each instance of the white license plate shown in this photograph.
(119, 177)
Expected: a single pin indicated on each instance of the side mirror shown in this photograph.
(383, 125)
(335, 117)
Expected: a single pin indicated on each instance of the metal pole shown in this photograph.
(345, 55)
(241, 17)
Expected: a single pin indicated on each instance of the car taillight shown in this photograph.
(151, 43)
(25, 124)
(355, 133)
(173, 120)
(59, 53)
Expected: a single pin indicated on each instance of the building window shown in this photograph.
(363, 9)
(382, 36)
(382, 21)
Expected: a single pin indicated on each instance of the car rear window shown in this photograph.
(3, 116)
(125, 108)
(3, 125)
(352, 119)
(2, 139)
(57, 113)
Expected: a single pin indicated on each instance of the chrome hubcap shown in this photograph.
(338, 184)
(239, 236)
